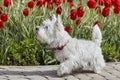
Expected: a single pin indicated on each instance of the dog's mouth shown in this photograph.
(39, 37)
(36, 32)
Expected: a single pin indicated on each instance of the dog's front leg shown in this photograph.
(66, 67)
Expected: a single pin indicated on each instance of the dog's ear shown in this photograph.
(59, 24)
(59, 19)
(53, 18)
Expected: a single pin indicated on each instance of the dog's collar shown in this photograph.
(61, 47)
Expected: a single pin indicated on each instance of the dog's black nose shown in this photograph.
(37, 29)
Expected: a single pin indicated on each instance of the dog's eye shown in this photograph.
(46, 27)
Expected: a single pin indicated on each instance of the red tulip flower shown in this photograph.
(98, 23)
(108, 3)
(7, 3)
(50, 4)
(4, 17)
(71, 4)
(106, 11)
(91, 3)
(70, 0)
(59, 10)
(116, 2)
(57, 2)
(31, 4)
(78, 22)
(1, 24)
(26, 12)
(40, 2)
(113, 1)
(80, 12)
(44, 1)
(73, 14)
(116, 10)
(101, 2)
(68, 29)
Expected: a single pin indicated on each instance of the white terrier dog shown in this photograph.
(72, 53)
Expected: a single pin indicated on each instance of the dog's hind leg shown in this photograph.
(99, 64)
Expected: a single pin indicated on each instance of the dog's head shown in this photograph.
(49, 29)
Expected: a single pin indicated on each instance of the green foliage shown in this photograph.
(22, 53)
(110, 52)
(27, 52)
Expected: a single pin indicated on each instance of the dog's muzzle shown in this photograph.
(37, 29)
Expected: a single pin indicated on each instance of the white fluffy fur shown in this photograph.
(78, 53)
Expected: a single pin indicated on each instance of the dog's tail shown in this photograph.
(96, 35)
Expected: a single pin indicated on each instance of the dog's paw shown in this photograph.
(60, 71)
(63, 70)
(97, 70)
